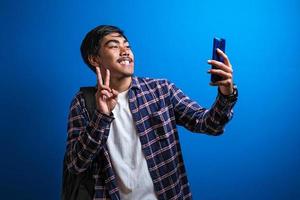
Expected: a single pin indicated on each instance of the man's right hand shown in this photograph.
(106, 98)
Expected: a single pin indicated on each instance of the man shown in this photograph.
(130, 141)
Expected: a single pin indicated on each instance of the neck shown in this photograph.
(120, 84)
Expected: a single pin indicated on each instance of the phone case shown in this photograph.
(218, 43)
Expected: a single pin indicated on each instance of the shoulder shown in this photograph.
(77, 100)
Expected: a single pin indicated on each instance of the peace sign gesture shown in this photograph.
(106, 98)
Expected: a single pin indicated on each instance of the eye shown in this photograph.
(113, 46)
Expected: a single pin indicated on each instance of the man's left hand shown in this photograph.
(225, 71)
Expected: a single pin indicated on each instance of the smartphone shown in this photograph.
(218, 43)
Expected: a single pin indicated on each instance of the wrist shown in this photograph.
(226, 91)
(231, 92)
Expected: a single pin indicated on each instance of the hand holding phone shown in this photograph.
(217, 43)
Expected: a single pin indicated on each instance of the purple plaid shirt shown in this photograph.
(157, 107)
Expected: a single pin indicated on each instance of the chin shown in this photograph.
(128, 71)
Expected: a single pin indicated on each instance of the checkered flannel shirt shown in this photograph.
(157, 107)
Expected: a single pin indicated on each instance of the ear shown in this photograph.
(94, 60)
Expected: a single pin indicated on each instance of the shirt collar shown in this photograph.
(135, 83)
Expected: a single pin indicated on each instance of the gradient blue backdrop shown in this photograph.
(258, 157)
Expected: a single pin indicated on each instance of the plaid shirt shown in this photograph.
(157, 107)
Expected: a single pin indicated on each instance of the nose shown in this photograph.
(124, 51)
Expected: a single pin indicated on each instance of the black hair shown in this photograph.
(90, 45)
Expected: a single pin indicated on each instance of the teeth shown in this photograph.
(125, 62)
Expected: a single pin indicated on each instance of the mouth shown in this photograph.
(125, 61)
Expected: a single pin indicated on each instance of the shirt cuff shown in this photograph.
(98, 116)
(97, 126)
(228, 99)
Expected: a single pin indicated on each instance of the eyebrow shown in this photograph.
(116, 41)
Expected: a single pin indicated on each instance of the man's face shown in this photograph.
(115, 54)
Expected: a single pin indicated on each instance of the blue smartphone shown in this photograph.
(218, 43)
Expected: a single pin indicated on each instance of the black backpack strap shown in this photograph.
(90, 100)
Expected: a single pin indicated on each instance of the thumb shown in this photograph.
(115, 94)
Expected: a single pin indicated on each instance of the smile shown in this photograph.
(124, 60)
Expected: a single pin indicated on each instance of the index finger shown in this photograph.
(107, 78)
(226, 60)
(99, 77)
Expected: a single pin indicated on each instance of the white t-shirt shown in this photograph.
(128, 160)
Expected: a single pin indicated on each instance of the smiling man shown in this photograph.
(129, 143)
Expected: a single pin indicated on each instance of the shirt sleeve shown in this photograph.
(85, 136)
(194, 117)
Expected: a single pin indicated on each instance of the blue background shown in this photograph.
(258, 157)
